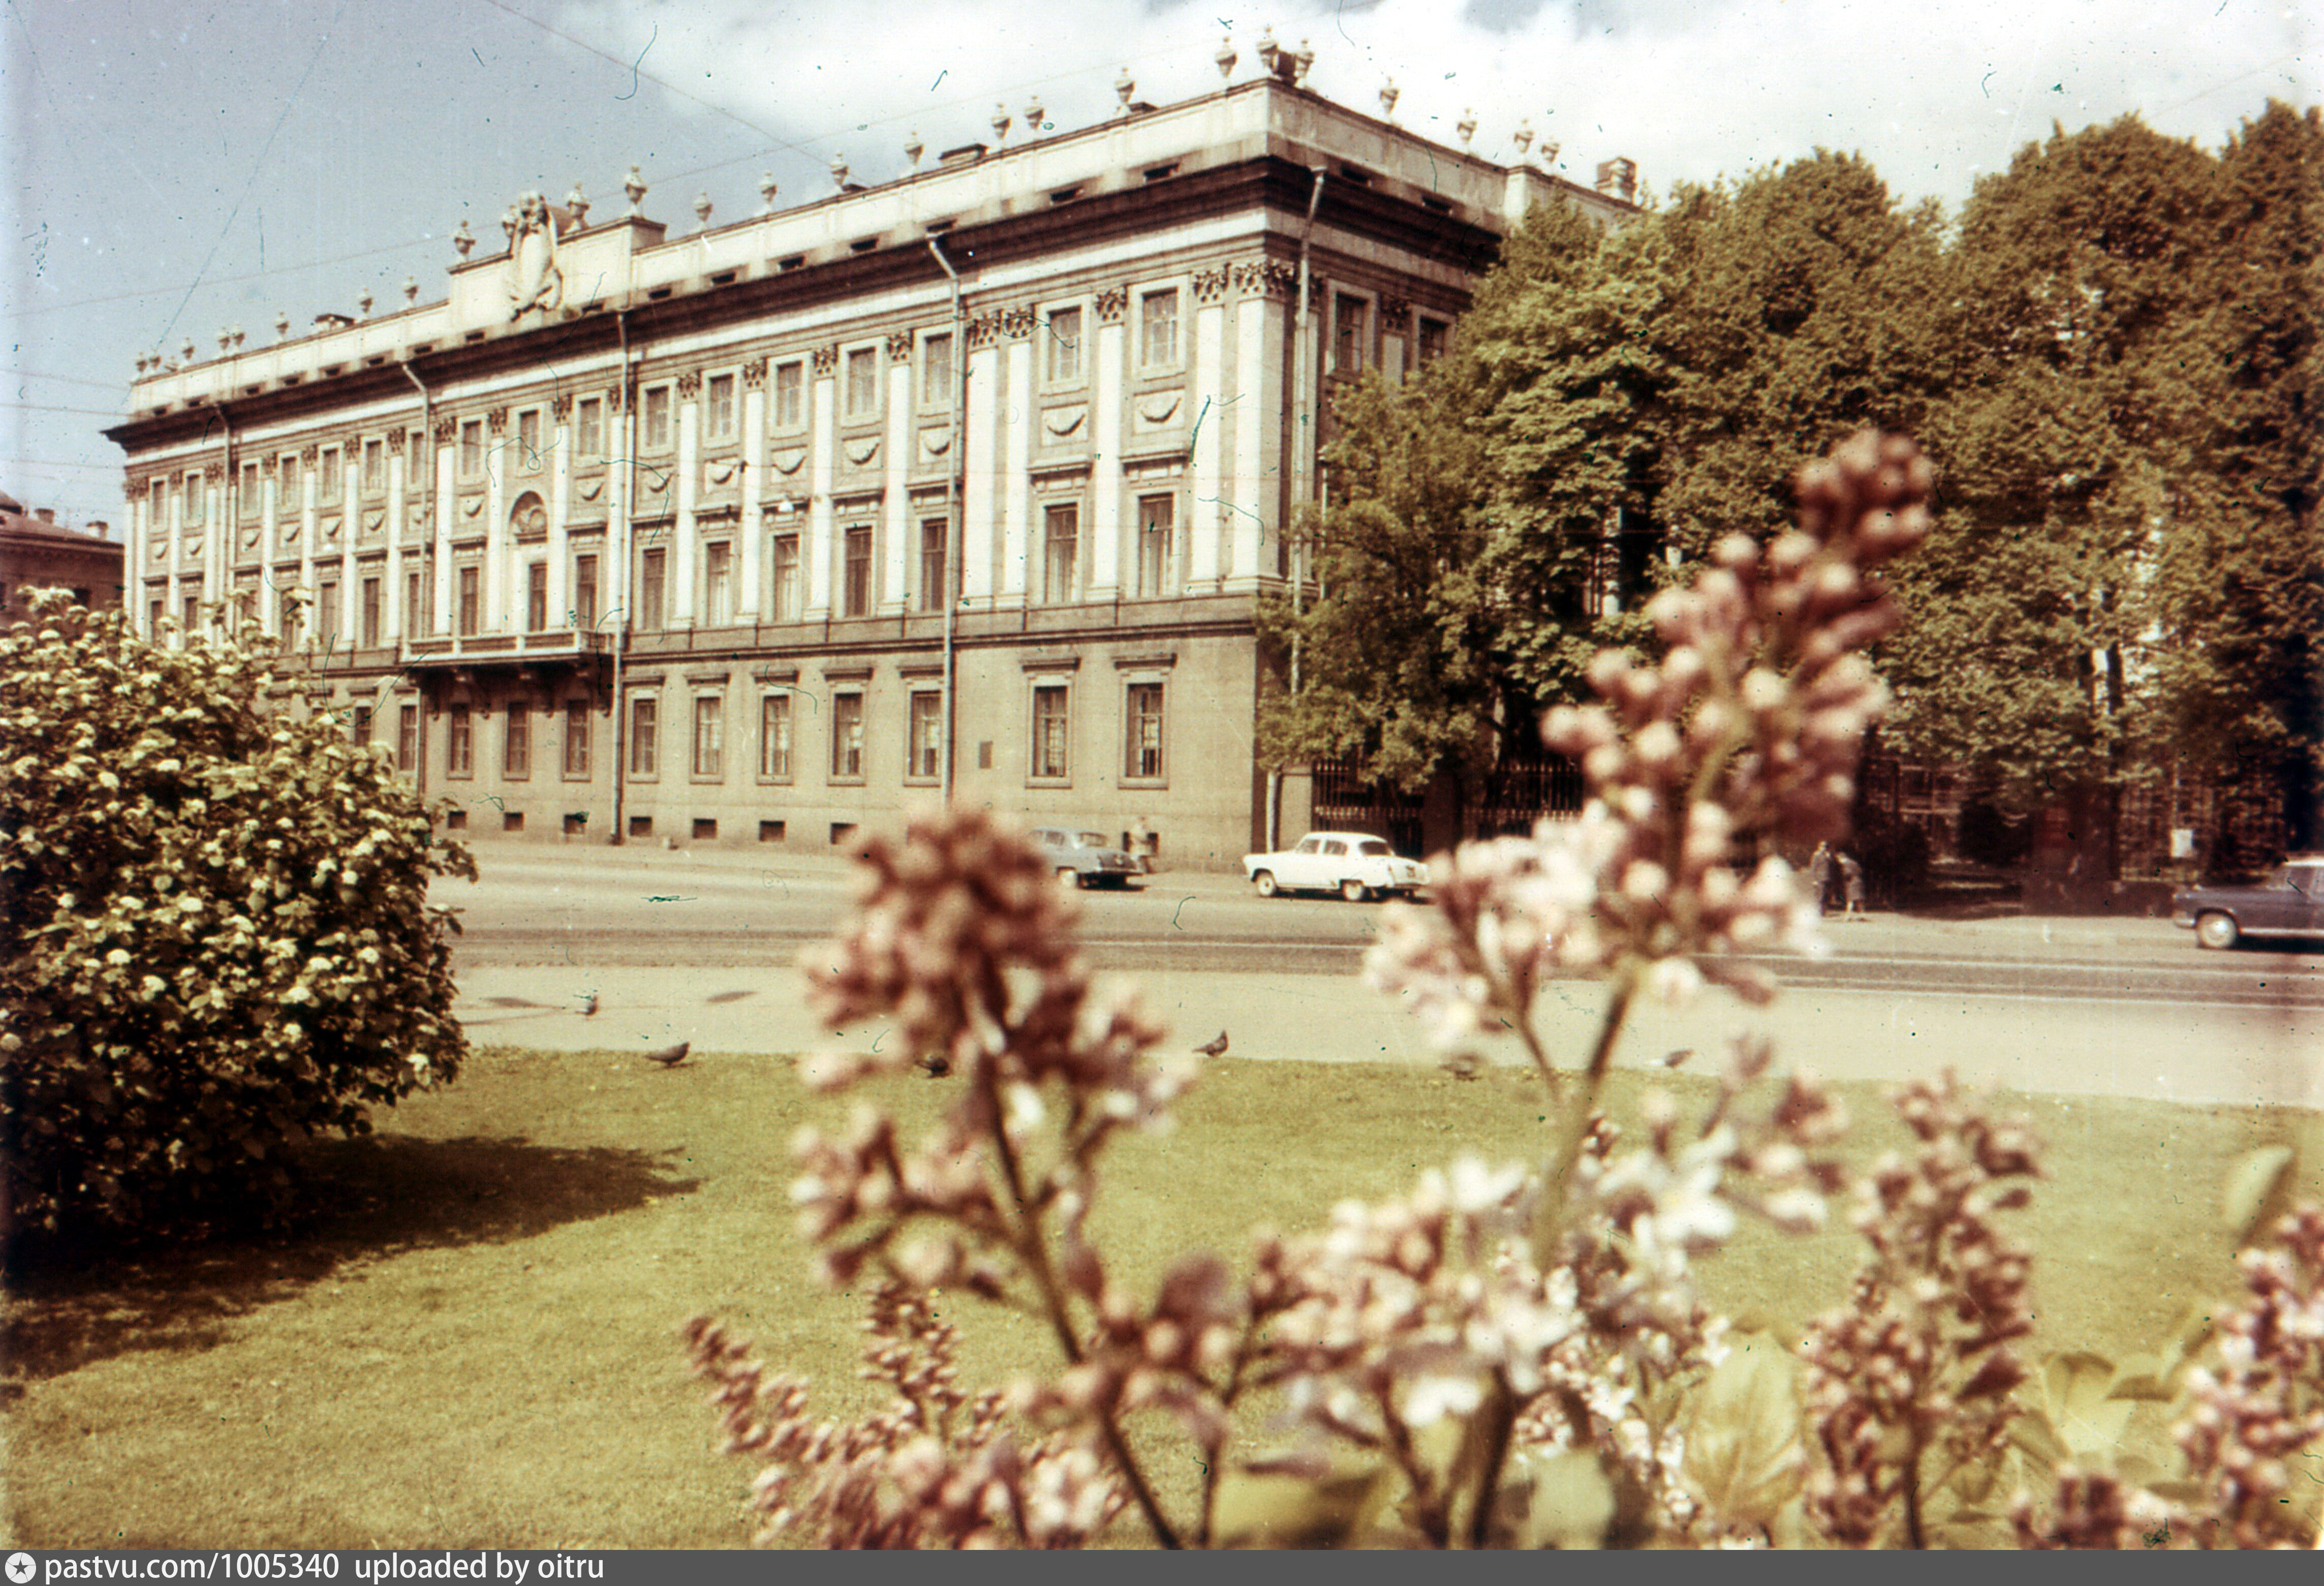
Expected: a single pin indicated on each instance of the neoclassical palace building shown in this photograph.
(965, 482)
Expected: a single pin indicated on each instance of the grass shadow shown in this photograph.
(365, 1200)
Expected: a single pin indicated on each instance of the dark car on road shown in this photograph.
(2288, 903)
(1085, 859)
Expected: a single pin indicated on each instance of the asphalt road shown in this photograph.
(654, 909)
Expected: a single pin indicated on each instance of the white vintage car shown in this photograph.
(1354, 864)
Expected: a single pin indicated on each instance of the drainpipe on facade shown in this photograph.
(428, 559)
(617, 580)
(222, 555)
(955, 489)
(1301, 350)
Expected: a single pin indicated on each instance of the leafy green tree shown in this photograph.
(218, 940)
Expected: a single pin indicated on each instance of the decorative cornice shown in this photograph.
(754, 374)
(446, 431)
(497, 420)
(1270, 278)
(1210, 284)
(1019, 323)
(1112, 302)
(689, 385)
(1396, 314)
(827, 361)
(900, 347)
(213, 473)
(395, 443)
(560, 408)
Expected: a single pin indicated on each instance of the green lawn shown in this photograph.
(474, 1341)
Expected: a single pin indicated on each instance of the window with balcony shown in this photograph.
(856, 588)
(710, 736)
(1060, 546)
(1052, 731)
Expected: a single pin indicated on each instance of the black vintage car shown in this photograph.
(2288, 903)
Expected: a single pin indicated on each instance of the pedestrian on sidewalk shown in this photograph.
(1852, 877)
(1820, 876)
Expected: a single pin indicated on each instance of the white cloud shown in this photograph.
(1934, 96)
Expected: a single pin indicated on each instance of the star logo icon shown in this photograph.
(21, 1567)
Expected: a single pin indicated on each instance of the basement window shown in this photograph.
(1357, 174)
(472, 336)
(793, 262)
(725, 277)
(425, 346)
(659, 293)
(938, 227)
(1436, 204)
(863, 244)
(1066, 195)
(1161, 172)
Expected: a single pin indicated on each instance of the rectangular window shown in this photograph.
(415, 606)
(718, 585)
(589, 428)
(858, 586)
(328, 476)
(936, 372)
(375, 466)
(657, 418)
(327, 615)
(863, 383)
(371, 613)
(645, 737)
(286, 615)
(536, 596)
(249, 497)
(527, 438)
(1142, 758)
(576, 739)
(933, 590)
(1350, 338)
(784, 558)
(406, 738)
(790, 388)
(472, 448)
(516, 748)
(719, 389)
(775, 736)
(158, 503)
(292, 500)
(361, 732)
(847, 735)
(653, 587)
(1157, 329)
(460, 743)
(585, 592)
(194, 494)
(1059, 545)
(1434, 335)
(471, 599)
(1051, 730)
(193, 615)
(1157, 516)
(1064, 345)
(710, 736)
(924, 748)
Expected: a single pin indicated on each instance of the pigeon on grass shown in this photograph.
(588, 1004)
(672, 1057)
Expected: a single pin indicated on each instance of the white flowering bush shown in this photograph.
(1512, 1354)
(216, 931)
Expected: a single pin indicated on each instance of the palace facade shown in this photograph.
(965, 482)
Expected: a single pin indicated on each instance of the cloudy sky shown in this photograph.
(176, 167)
